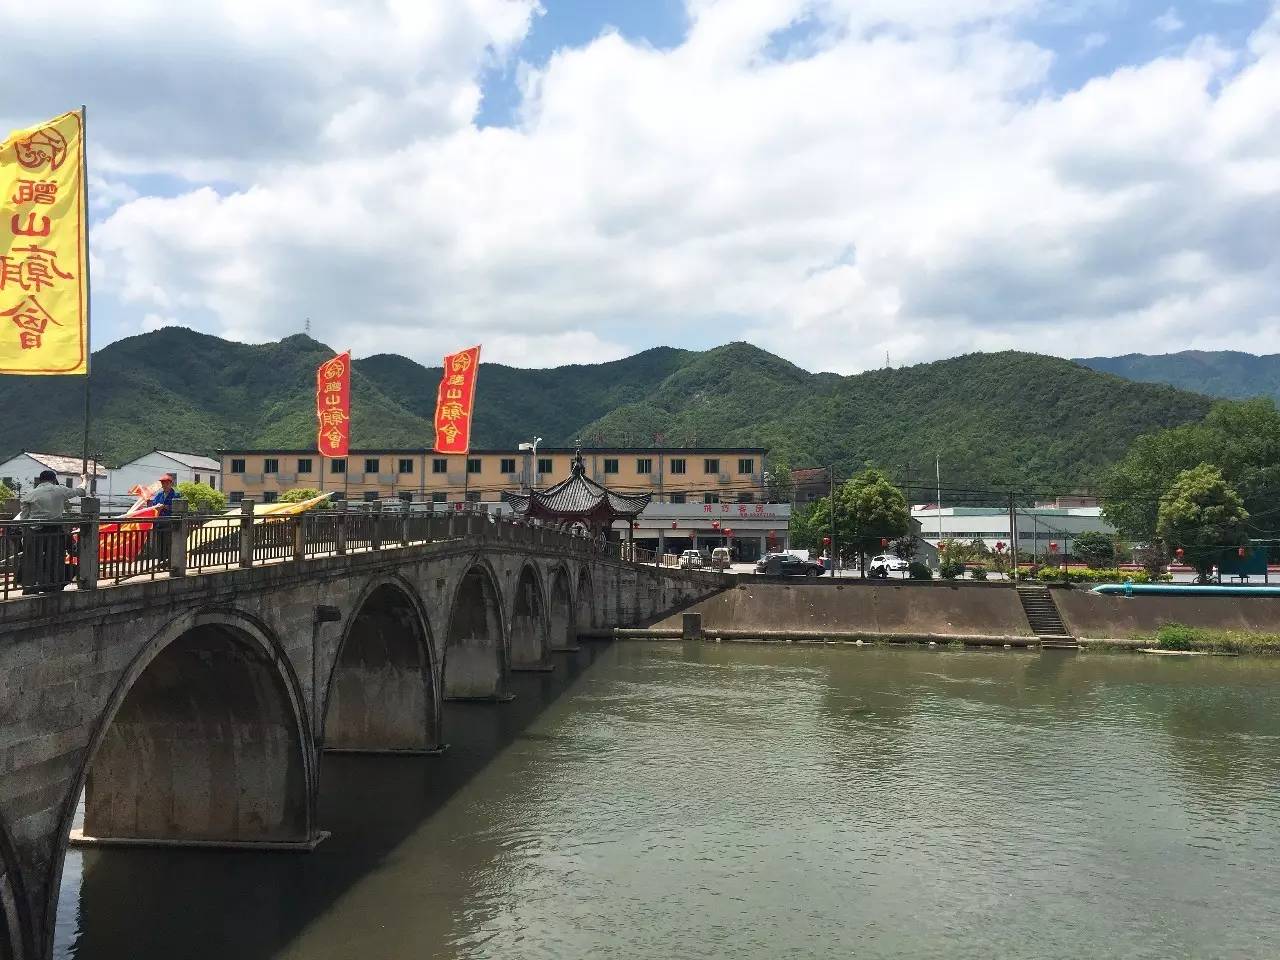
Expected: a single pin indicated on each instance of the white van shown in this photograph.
(720, 558)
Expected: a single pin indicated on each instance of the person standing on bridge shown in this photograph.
(46, 539)
(162, 537)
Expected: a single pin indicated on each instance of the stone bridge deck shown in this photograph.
(192, 709)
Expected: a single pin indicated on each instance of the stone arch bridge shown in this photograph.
(192, 710)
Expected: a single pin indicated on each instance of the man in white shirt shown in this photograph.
(46, 540)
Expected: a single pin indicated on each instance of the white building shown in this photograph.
(19, 472)
(675, 527)
(1038, 527)
(150, 467)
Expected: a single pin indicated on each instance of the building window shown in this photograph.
(68, 482)
(544, 465)
(644, 465)
(237, 466)
(197, 478)
(236, 496)
(406, 465)
(370, 496)
(371, 465)
(746, 465)
(270, 465)
(678, 498)
(406, 496)
(747, 498)
(711, 465)
(473, 496)
(711, 498)
(338, 466)
(678, 465)
(269, 496)
(304, 464)
(439, 498)
(213, 481)
(439, 465)
(508, 465)
(339, 495)
(610, 465)
(473, 464)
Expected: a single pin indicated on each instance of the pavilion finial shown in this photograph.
(579, 468)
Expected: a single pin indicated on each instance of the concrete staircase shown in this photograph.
(1046, 622)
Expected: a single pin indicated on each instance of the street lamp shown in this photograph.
(527, 449)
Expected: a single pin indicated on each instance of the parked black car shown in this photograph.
(788, 565)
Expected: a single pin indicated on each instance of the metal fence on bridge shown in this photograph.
(88, 551)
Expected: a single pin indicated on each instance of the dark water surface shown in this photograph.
(685, 801)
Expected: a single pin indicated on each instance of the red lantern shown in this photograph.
(1240, 553)
(999, 546)
(728, 532)
(826, 541)
(1178, 553)
(715, 524)
(884, 542)
(1053, 546)
(673, 524)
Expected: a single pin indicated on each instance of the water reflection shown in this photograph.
(677, 800)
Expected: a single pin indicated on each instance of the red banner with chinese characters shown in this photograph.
(333, 406)
(454, 400)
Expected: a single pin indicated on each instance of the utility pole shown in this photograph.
(831, 478)
(937, 466)
(1013, 539)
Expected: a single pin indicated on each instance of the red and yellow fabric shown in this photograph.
(455, 400)
(44, 256)
(333, 406)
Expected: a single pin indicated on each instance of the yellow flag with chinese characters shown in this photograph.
(44, 254)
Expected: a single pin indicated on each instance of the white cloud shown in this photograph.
(1169, 21)
(1093, 41)
(906, 183)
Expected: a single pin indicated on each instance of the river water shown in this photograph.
(669, 801)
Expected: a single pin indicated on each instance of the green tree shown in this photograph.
(1242, 439)
(202, 498)
(5, 493)
(870, 509)
(1096, 549)
(778, 484)
(1203, 515)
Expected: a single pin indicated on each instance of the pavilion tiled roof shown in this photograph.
(578, 499)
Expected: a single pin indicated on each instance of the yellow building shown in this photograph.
(671, 474)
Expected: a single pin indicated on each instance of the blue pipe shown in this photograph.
(1186, 590)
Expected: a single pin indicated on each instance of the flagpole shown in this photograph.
(88, 298)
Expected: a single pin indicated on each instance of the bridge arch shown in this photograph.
(586, 600)
(563, 611)
(382, 694)
(475, 659)
(530, 638)
(204, 740)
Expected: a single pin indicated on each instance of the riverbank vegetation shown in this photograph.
(1177, 636)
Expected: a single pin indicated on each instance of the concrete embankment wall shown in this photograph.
(908, 609)
(1089, 614)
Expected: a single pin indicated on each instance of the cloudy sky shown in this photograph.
(576, 180)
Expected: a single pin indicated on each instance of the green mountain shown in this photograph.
(1219, 373)
(992, 418)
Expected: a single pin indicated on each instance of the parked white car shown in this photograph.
(691, 560)
(886, 563)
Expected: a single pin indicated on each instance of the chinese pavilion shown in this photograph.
(578, 501)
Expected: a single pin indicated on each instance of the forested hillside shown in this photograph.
(1219, 373)
(993, 418)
